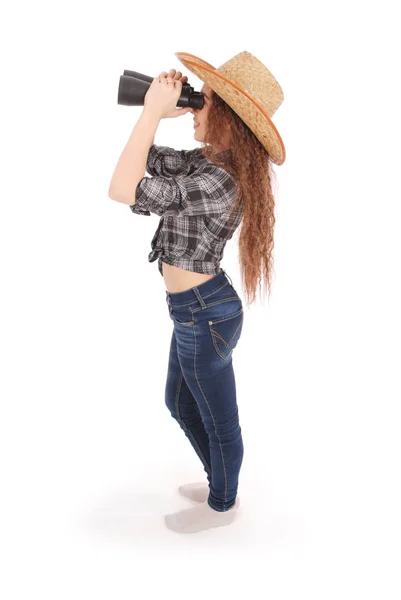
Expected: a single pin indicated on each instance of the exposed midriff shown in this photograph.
(179, 280)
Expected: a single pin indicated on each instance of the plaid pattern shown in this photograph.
(193, 197)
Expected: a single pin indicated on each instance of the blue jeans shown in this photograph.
(200, 389)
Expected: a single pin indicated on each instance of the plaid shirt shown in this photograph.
(193, 197)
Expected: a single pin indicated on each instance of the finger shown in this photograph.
(179, 76)
(170, 74)
(176, 75)
(181, 111)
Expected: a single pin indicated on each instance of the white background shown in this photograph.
(91, 457)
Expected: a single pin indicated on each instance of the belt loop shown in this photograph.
(201, 300)
(229, 278)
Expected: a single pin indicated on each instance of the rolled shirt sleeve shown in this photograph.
(136, 209)
(209, 194)
(167, 162)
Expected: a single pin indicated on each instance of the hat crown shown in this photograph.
(246, 71)
(250, 89)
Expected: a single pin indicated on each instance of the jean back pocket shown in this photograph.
(226, 332)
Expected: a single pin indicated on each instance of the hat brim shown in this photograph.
(246, 107)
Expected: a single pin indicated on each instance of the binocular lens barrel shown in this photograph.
(133, 87)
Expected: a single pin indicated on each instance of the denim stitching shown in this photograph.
(218, 350)
(177, 395)
(184, 324)
(177, 408)
(217, 302)
(200, 299)
(207, 295)
(214, 422)
(241, 310)
(227, 276)
(213, 333)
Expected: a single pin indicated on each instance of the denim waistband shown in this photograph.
(199, 291)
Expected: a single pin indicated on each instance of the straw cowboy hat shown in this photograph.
(251, 91)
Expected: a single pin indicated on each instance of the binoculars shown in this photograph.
(133, 87)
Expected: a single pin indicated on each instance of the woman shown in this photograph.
(202, 195)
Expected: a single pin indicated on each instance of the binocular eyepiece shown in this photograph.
(133, 87)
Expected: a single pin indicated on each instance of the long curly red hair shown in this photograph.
(251, 165)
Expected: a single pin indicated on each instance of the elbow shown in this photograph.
(112, 192)
(118, 197)
(114, 196)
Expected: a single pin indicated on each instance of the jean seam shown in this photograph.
(177, 408)
(212, 304)
(214, 422)
(215, 333)
(236, 314)
(203, 297)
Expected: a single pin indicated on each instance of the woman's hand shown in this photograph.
(163, 94)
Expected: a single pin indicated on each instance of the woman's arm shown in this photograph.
(168, 162)
(131, 166)
(207, 193)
